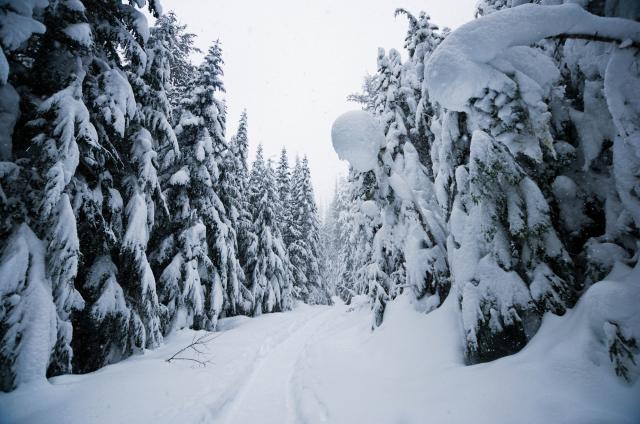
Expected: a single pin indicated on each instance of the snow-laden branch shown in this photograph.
(462, 66)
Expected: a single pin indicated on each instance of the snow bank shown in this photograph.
(467, 61)
(394, 376)
(357, 138)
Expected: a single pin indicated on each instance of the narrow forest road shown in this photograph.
(322, 364)
(251, 375)
(269, 392)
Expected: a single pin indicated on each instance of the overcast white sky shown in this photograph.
(292, 63)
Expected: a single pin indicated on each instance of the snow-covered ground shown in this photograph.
(323, 364)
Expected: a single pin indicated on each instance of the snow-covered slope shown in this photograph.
(323, 364)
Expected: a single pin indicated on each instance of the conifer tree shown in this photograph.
(283, 182)
(238, 148)
(194, 281)
(297, 249)
(232, 187)
(28, 315)
(304, 249)
(503, 165)
(241, 139)
(269, 267)
(178, 45)
(408, 245)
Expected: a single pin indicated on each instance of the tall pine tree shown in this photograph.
(269, 266)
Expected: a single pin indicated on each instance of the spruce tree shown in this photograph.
(283, 182)
(28, 315)
(318, 289)
(269, 267)
(238, 148)
(407, 248)
(519, 163)
(178, 45)
(297, 248)
(232, 194)
(192, 283)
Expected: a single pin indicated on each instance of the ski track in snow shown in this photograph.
(267, 392)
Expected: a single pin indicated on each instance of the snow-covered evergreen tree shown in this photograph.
(69, 123)
(166, 56)
(338, 234)
(297, 249)
(117, 195)
(269, 264)
(220, 215)
(366, 98)
(421, 40)
(85, 150)
(283, 182)
(174, 44)
(232, 189)
(180, 252)
(408, 246)
(241, 139)
(511, 153)
(200, 250)
(239, 146)
(306, 237)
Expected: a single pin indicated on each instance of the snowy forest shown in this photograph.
(485, 240)
(126, 212)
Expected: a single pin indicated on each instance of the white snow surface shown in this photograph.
(323, 364)
(357, 138)
(81, 33)
(476, 56)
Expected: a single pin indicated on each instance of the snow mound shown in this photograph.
(357, 137)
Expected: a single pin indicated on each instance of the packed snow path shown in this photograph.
(270, 389)
(323, 365)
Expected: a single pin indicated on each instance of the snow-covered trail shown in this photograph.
(248, 378)
(267, 394)
(320, 364)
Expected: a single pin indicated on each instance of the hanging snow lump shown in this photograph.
(357, 137)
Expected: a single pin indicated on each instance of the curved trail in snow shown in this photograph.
(269, 392)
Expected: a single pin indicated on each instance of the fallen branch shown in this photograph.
(196, 345)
